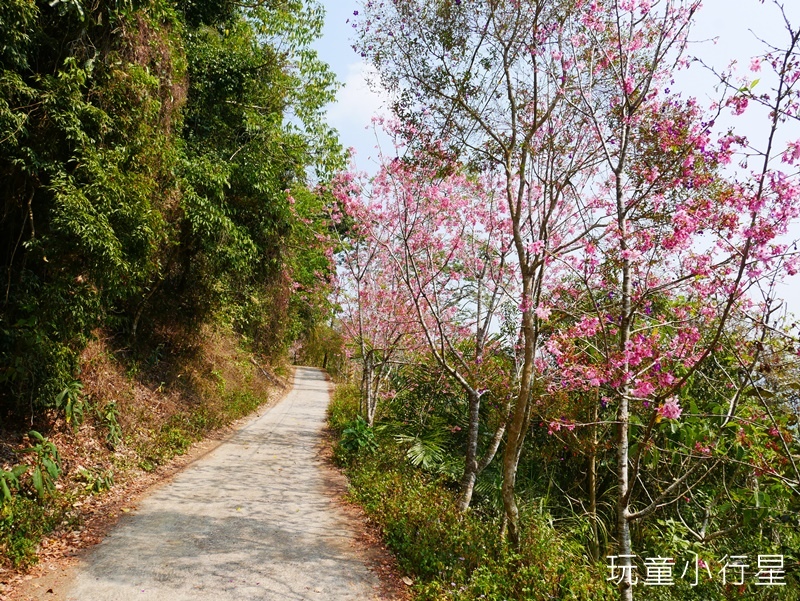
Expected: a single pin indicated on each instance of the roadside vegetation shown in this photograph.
(409, 490)
(131, 417)
(162, 239)
(560, 296)
(405, 472)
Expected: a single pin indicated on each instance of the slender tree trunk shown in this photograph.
(623, 526)
(497, 438)
(623, 412)
(366, 385)
(471, 464)
(518, 426)
(594, 547)
(374, 385)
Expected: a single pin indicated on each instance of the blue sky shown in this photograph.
(725, 30)
(357, 103)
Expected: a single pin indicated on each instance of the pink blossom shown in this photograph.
(701, 448)
(643, 389)
(670, 409)
(738, 103)
(792, 152)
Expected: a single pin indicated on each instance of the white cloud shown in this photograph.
(361, 98)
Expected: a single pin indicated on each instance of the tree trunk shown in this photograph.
(366, 386)
(594, 546)
(517, 429)
(623, 527)
(471, 464)
(623, 413)
(374, 387)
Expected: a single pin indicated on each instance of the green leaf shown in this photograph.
(38, 482)
(5, 490)
(51, 467)
(61, 396)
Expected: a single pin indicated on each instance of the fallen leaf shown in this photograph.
(407, 580)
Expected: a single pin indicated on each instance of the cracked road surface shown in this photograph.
(251, 520)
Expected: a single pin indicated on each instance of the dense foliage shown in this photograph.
(158, 161)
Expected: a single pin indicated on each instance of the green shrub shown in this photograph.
(357, 437)
(23, 523)
(70, 401)
(109, 417)
(46, 464)
(463, 556)
(343, 408)
(10, 482)
(241, 403)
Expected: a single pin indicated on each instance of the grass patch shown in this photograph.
(183, 429)
(23, 524)
(343, 408)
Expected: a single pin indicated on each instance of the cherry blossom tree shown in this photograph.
(378, 324)
(684, 247)
(442, 237)
(488, 82)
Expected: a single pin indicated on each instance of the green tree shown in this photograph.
(152, 151)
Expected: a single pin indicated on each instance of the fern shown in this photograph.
(426, 449)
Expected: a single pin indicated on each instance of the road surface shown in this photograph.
(252, 520)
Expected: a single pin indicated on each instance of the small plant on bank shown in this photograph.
(46, 465)
(69, 400)
(9, 482)
(96, 481)
(28, 507)
(46, 470)
(358, 437)
(109, 416)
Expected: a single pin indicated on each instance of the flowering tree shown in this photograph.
(488, 81)
(377, 321)
(670, 275)
(442, 238)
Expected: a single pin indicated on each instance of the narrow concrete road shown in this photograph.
(251, 520)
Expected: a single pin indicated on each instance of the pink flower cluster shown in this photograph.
(670, 409)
